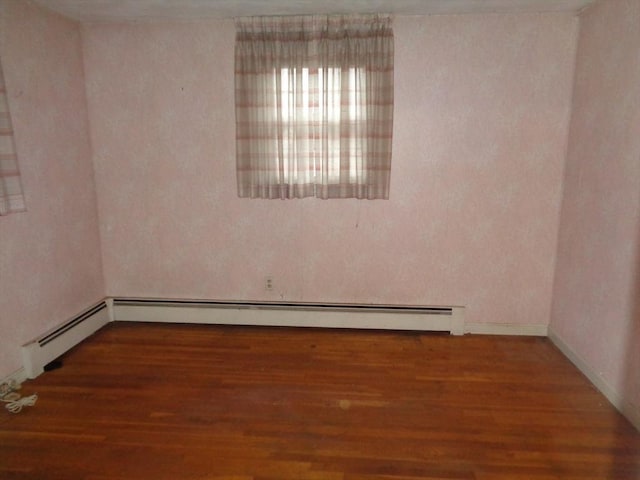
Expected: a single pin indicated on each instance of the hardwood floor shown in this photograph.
(158, 401)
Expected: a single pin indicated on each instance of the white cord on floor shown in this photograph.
(8, 387)
(16, 405)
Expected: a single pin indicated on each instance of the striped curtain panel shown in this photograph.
(314, 106)
(11, 197)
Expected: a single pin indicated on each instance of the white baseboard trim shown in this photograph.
(623, 406)
(506, 329)
(42, 350)
(19, 376)
(49, 346)
(294, 315)
(110, 312)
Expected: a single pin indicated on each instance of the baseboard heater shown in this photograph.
(46, 348)
(292, 314)
(41, 351)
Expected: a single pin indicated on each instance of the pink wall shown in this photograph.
(50, 265)
(482, 109)
(596, 307)
(481, 119)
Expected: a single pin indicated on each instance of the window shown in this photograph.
(11, 197)
(314, 107)
(322, 101)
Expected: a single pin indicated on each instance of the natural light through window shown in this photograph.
(314, 106)
(314, 97)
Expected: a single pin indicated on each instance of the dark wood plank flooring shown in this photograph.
(186, 402)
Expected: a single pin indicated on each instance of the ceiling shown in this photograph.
(136, 10)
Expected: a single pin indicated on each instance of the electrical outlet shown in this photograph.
(268, 283)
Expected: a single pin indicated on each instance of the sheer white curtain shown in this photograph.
(314, 106)
(11, 197)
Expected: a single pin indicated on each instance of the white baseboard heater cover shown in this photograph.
(291, 314)
(46, 348)
(41, 351)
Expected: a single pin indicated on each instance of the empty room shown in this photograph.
(329, 240)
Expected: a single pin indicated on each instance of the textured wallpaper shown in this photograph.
(596, 308)
(480, 137)
(50, 261)
(481, 117)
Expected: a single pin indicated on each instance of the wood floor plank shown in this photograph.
(142, 401)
